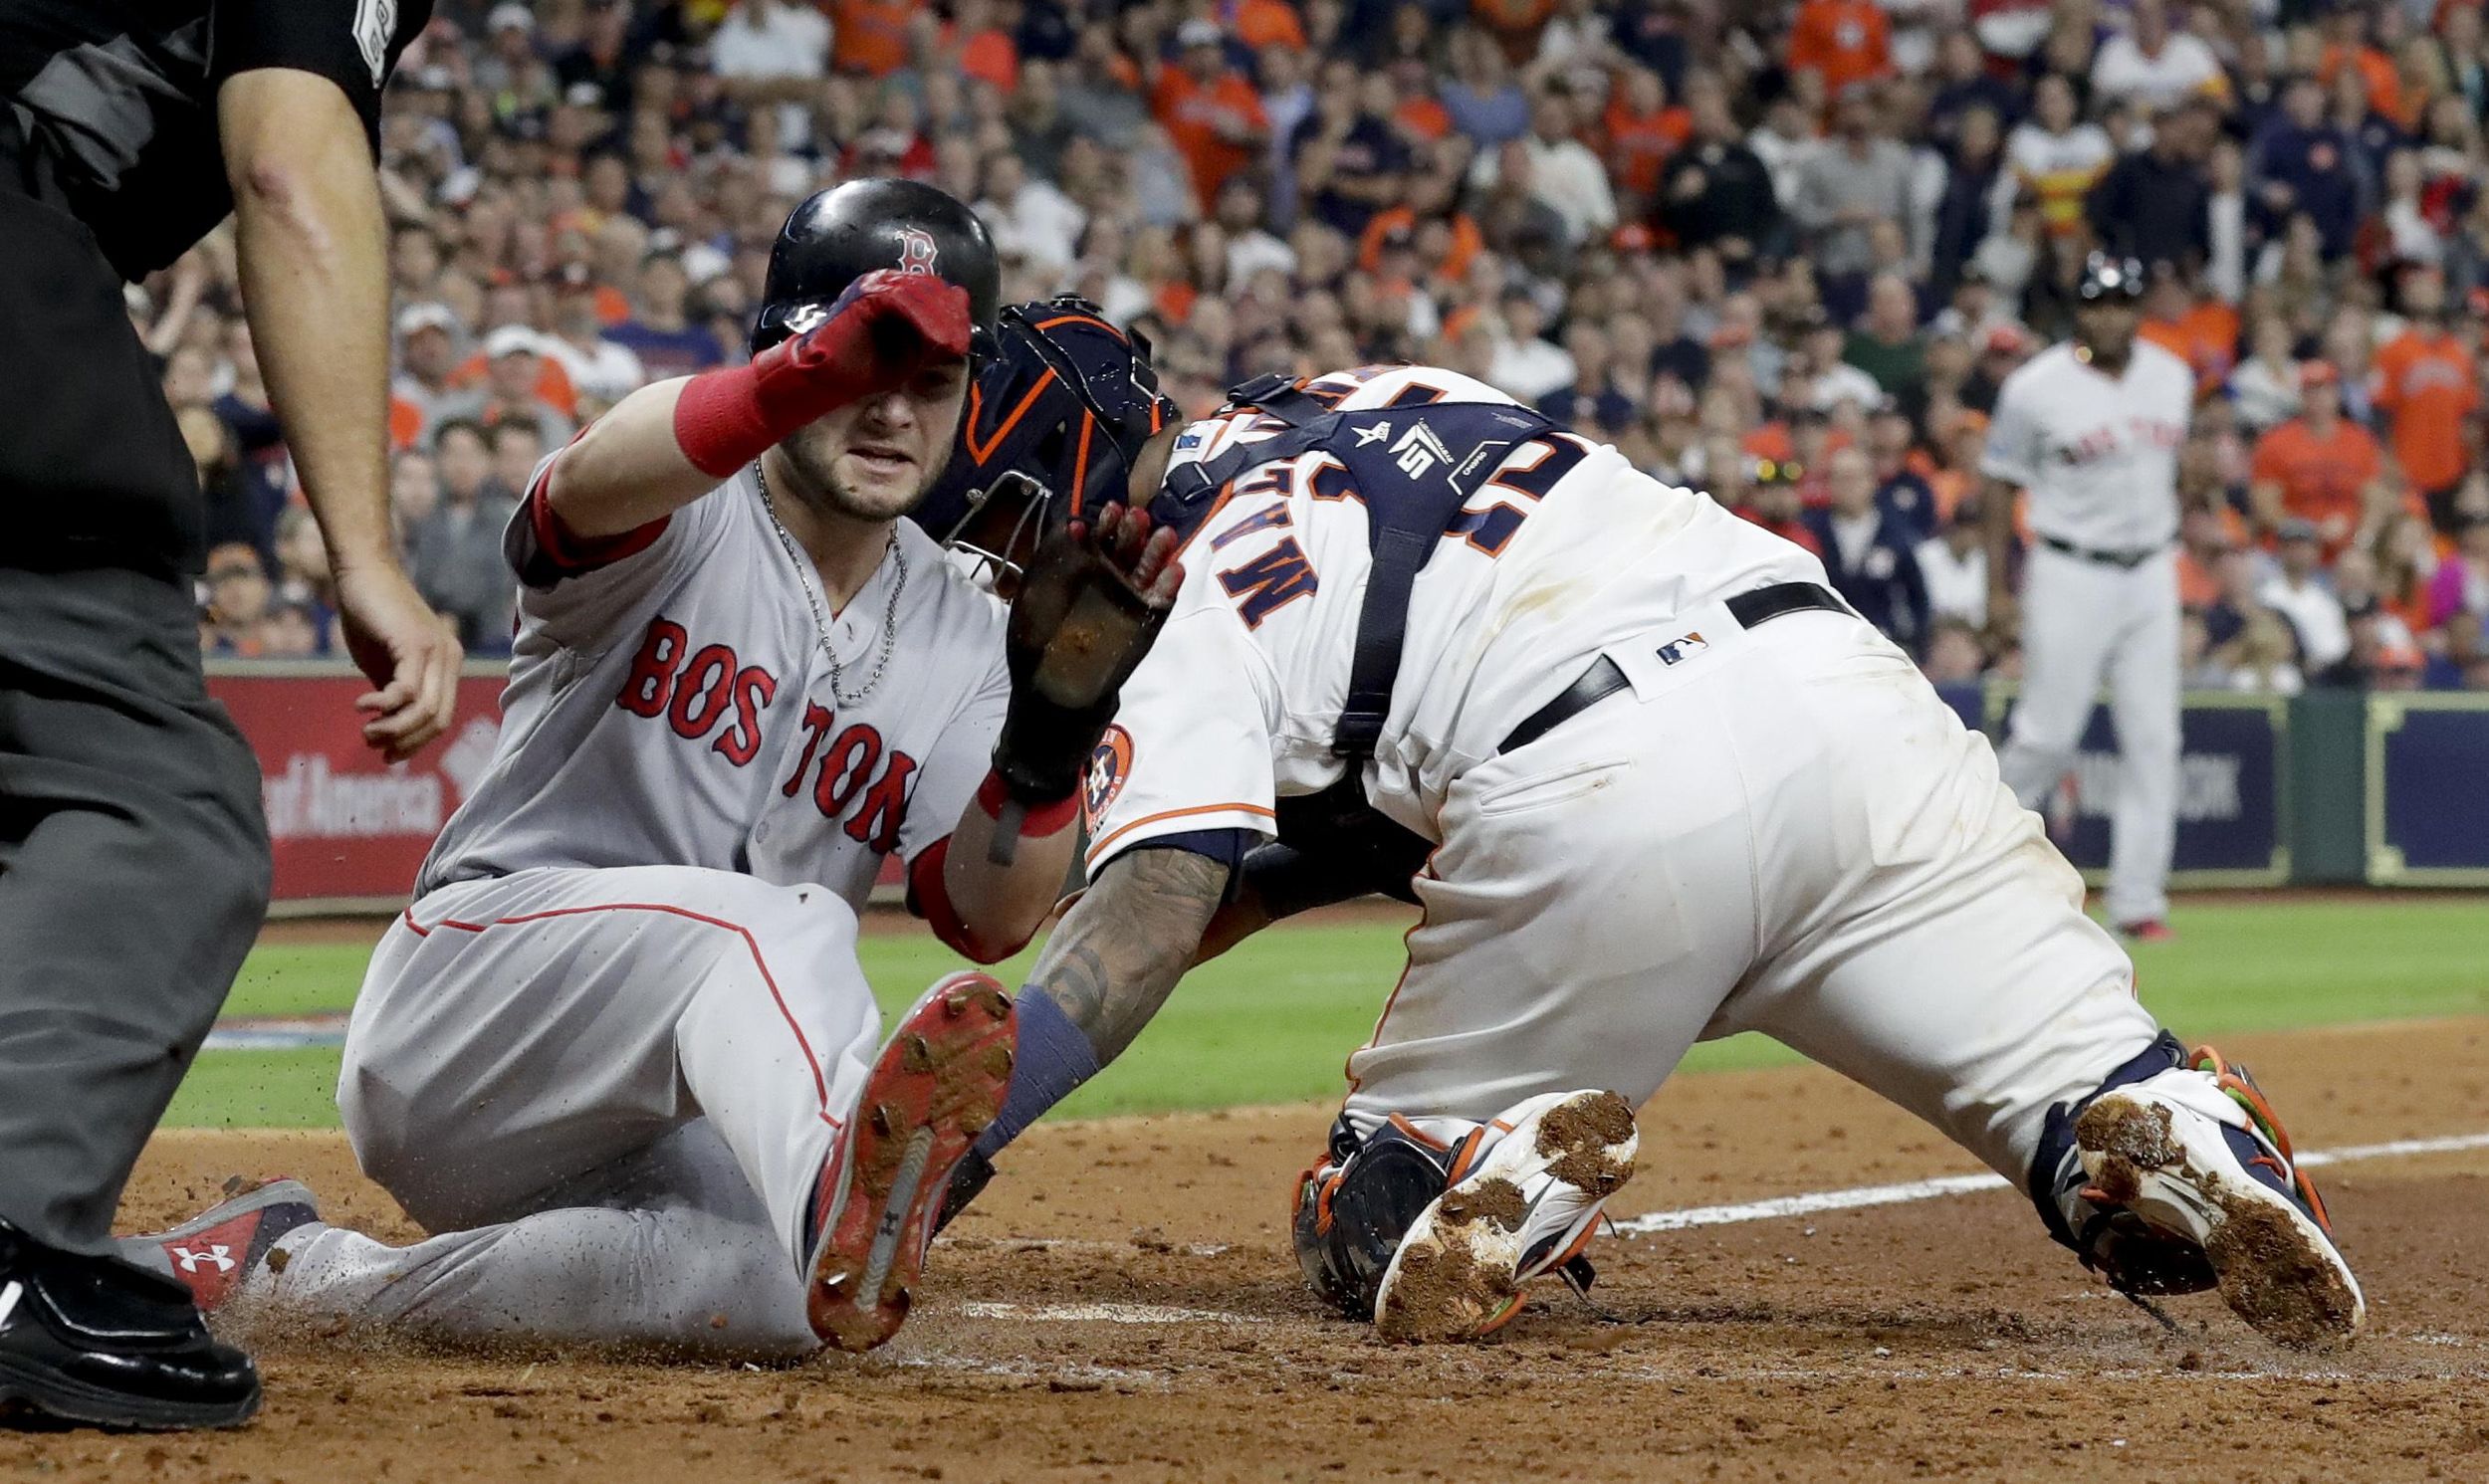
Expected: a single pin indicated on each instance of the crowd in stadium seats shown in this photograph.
(1785, 254)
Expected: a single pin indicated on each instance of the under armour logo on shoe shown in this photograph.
(217, 1253)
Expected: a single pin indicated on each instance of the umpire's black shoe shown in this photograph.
(96, 1340)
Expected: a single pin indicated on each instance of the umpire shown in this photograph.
(133, 857)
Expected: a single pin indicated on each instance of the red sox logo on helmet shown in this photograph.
(917, 250)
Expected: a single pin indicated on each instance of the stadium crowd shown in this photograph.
(1782, 253)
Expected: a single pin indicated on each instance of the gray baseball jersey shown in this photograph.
(669, 704)
(2099, 454)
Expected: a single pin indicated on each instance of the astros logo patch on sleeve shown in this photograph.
(1109, 765)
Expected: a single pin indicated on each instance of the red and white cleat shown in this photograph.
(938, 1084)
(215, 1252)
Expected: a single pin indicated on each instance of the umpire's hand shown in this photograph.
(404, 648)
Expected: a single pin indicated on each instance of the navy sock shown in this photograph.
(1054, 1058)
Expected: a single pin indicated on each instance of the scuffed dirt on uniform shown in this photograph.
(2269, 1267)
(1584, 1136)
(1946, 1339)
(2132, 1131)
(2275, 1281)
(1447, 1286)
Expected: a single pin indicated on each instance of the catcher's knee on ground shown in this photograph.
(1353, 1209)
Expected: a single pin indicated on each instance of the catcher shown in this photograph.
(1650, 783)
(618, 1052)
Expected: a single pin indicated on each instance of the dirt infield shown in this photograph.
(1123, 1306)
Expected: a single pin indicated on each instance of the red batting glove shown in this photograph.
(879, 333)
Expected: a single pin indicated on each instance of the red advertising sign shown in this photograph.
(349, 830)
(347, 827)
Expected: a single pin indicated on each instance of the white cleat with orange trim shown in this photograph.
(1525, 1197)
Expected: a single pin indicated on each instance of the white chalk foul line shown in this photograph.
(1856, 1197)
(1114, 1314)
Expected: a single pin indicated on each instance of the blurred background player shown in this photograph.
(2092, 429)
(133, 859)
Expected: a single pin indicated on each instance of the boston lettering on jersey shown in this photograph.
(701, 692)
(2104, 442)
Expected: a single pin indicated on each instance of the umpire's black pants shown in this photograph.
(133, 855)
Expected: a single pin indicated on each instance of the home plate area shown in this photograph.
(1799, 1288)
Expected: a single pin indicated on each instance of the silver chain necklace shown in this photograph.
(821, 621)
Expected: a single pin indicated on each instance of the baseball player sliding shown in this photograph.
(618, 1051)
(1665, 788)
(2092, 428)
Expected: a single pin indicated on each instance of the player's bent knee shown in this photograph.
(1353, 1209)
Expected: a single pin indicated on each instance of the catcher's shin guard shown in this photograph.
(1552, 1159)
(1354, 1207)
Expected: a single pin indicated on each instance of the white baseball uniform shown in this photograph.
(2098, 455)
(623, 1018)
(1781, 829)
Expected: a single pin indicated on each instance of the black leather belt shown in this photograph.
(1603, 679)
(2128, 561)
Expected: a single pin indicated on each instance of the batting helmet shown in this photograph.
(2110, 277)
(838, 235)
(1065, 402)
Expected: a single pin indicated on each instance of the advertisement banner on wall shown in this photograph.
(2232, 776)
(349, 830)
(2427, 811)
(346, 828)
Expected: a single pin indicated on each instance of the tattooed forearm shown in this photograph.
(1112, 961)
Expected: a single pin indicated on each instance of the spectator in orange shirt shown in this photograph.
(2320, 467)
(1269, 23)
(2194, 326)
(2346, 45)
(1643, 130)
(1842, 40)
(1210, 113)
(983, 49)
(870, 36)
(2423, 383)
(1514, 24)
(2204, 538)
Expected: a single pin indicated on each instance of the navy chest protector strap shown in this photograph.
(1414, 468)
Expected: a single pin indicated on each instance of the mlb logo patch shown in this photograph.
(1677, 651)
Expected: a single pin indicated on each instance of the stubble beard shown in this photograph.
(820, 489)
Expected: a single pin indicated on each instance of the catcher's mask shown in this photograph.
(1055, 422)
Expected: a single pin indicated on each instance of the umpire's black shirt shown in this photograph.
(116, 99)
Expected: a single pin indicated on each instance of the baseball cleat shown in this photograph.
(2148, 930)
(2198, 1154)
(1525, 1197)
(215, 1252)
(939, 1082)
